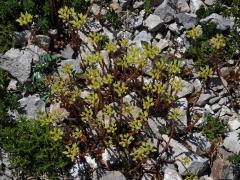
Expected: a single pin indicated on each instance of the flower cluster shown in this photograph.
(218, 42)
(70, 15)
(195, 32)
(25, 19)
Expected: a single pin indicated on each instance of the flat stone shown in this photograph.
(182, 6)
(67, 52)
(197, 85)
(204, 97)
(17, 63)
(234, 122)
(187, 89)
(209, 2)
(217, 84)
(32, 105)
(198, 143)
(231, 142)
(165, 12)
(153, 22)
(138, 4)
(162, 44)
(142, 36)
(174, 28)
(215, 107)
(214, 100)
(195, 5)
(109, 175)
(171, 174)
(44, 41)
(195, 163)
(21, 38)
(221, 22)
(187, 20)
(182, 104)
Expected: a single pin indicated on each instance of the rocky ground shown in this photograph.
(165, 28)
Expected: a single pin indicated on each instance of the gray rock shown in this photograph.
(155, 124)
(234, 122)
(197, 85)
(217, 84)
(138, 4)
(67, 52)
(165, 12)
(137, 21)
(109, 175)
(209, 2)
(124, 34)
(187, 89)
(142, 36)
(208, 109)
(124, 3)
(108, 33)
(195, 5)
(174, 28)
(153, 22)
(182, 6)
(17, 63)
(44, 41)
(21, 38)
(171, 174)
(32, 105)
(162, 44)
(215, 107)
(198, 143)
(214, 100)
(93, 26)
(225, 111)
(182, 104)
(223, 101)
(204, 97)
(5, 172)
(187, 20)
(35, 51)
(193, 163)
(205, 177)
(97, 10)
(231, 142)
(221, 22)
(12, 85)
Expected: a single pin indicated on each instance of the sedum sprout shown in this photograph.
(218, 42)
(175, 114)
(71, 152)
(112, 46)
(56, 134)
(120, 88)
(195, 32)
(78, 20)
(147, 103)
(87, 114)
(125, 140)
(205, 72)
(143, 151)
(77, 133)
(24, 19)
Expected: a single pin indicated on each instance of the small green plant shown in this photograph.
(213, 128)
(148, 7)
(113, 18)
(32, 151)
